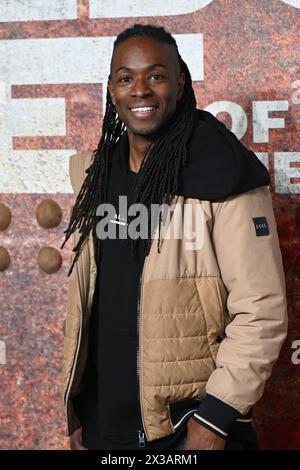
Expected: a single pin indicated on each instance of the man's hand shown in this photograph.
(200, 438)
(76, 440)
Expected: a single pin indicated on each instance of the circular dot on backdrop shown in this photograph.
(48, 213)
(4, 258)
(49, 259)
(5, 216)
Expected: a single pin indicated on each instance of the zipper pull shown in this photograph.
(141, 438)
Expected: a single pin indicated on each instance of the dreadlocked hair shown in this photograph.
(158, 177)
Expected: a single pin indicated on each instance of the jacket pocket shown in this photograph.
(222, 296)
(181, 411)
(212, 297)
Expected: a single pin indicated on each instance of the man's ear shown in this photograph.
(180, 89)
(110, 89)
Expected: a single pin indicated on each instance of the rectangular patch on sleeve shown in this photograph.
(261, 226)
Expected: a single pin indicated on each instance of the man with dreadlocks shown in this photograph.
(168, 345)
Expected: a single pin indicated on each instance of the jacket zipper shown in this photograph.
(141, 432)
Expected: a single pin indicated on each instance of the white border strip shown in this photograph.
(210, 424)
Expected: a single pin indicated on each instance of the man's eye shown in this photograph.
(156, 76)
(124, 79)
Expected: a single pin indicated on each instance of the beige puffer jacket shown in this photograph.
(232, 287)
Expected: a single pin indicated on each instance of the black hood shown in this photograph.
(218, 164)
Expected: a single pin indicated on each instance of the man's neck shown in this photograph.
(138, 148)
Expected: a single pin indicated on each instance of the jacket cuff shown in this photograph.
(216, 415)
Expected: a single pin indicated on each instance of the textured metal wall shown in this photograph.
(244, 60)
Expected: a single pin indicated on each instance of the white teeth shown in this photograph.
(142, 110)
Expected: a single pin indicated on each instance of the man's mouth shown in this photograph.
(143, 111)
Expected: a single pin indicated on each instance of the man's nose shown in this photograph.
(140, 87)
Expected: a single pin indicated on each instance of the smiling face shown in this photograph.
(145, 83)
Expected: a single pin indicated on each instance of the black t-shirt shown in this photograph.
(109, 409)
